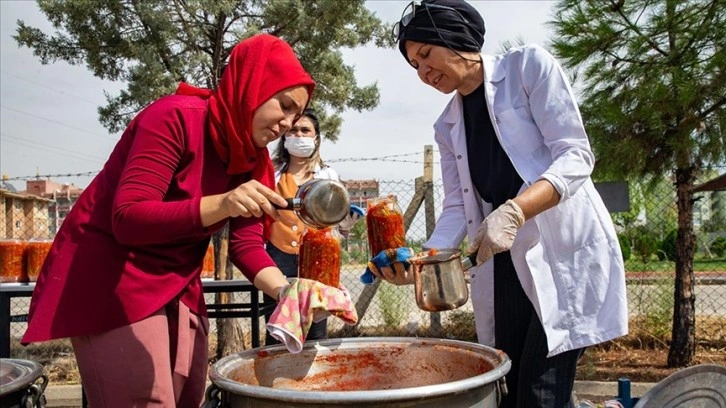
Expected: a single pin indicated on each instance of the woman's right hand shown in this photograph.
(252, 199)
(392, 266)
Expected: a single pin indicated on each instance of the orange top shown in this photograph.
(286, 233)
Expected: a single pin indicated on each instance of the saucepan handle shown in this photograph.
(290, 205)
(213, 398)
(468, 262)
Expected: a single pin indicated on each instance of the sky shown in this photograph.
(49, 120)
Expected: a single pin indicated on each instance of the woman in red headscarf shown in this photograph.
(122, 279)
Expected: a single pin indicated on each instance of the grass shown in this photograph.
(699, 265)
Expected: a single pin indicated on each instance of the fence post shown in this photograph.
(429, 206)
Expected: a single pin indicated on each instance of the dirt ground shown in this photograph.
(639, 365)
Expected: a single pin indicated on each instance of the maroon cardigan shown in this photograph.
(134, 240)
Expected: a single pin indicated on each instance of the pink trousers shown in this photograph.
(160, 361)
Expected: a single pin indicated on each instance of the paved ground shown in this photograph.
(69, 396)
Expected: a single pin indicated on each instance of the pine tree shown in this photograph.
(654, 87)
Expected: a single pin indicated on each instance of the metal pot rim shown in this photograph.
(25, 373)
(403, 394)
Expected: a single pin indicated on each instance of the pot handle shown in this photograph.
(34, 396)
(290, 205)
(502, 390)
(213, 398)
(468, 262)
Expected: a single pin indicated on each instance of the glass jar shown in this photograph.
(12, 261)
(37, 252)
(208, 263)
(384, 220)
(320, 256)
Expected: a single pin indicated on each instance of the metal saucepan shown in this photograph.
(439, 281)
(320, 203)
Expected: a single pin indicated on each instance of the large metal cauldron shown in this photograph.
(18, 383)
(362, 372)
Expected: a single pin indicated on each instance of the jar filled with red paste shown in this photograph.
(37, 252)
(320, 256)
(208, 263)
(384, 221)
(12, 261)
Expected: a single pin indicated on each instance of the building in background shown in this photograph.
(24, 216)
(63, 197)
(361, 190)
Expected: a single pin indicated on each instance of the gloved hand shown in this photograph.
(354, 215)
(303, 302)
(496, 233)
(390, 265)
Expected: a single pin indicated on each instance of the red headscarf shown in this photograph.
(258, 68)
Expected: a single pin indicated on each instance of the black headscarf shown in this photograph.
(453, 32)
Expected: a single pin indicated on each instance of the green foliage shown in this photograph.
(667, 250)
(392, 307)
(653, 104)
(357, 243)
(645, 243)
(653, 71)
(718, 246)
(154, 44)
(624, 246)
(653, 297)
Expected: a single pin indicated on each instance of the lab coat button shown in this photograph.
(466, 190)
(458, 157)
(469, 221)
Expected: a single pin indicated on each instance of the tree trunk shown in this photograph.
(683, 344)
(230, 335)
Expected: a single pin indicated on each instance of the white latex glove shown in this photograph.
(496, 233)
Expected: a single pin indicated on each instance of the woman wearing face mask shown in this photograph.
(297, 160)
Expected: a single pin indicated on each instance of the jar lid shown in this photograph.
(697, 386)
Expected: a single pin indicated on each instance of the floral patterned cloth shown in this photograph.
(303, 302)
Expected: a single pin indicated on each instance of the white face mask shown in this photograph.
(300, 146)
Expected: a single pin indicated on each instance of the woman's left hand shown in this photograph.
(392, 266)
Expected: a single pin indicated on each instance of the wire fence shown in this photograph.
(646, 231)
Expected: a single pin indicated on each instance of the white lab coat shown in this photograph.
(567, 258)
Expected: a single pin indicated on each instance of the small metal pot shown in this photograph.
(19, 385)
(320, 203)
(439, 281)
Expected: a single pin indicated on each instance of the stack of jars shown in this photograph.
(21, 261)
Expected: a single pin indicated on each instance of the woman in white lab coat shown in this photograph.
(516, 166)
